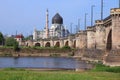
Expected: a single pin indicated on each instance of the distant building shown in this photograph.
(19, 38)
(57, 29)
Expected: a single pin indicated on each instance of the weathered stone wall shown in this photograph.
(35, 52)
(90, 54)
(115, 13)
(112, 58)
(91, 38)
(81, 40)
(100, 35)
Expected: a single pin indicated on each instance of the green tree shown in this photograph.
(1, 39)
(12, 43)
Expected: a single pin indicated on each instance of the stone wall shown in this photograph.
(81, 40)
(91, 38)
(90, 54)
(35, 52)
(115, 13)
(113, 58)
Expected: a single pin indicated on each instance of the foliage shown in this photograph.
(1, 39)
(101, 67)
(16, 47)
(56, 47)
(66, 47)
(12, 42)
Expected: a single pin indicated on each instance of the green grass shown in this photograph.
(103, 68)
(18, 74)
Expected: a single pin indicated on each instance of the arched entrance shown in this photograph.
(109, 41)
(37, 45)
(47, 44)
(66, 43)
(74, 44)
(57, 44)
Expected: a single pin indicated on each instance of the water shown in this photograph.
(42, 62)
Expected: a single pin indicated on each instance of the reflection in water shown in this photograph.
(16, 60)
(42, 62)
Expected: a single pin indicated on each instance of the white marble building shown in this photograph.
(57, 29)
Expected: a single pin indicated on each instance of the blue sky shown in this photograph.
(23, 15)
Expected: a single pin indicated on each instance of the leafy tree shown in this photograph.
(12, 43)
(1, 39)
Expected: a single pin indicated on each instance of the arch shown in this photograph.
(66, 43)
(57, 44)
(74, 44)
(47, 44)
(37, 44)
(109, 41)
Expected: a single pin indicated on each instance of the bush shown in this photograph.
(66, 47)
(16, 47)
(113, 69)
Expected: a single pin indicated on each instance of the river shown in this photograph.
(42, 62)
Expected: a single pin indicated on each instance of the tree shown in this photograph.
(1, 39)
(12, 43)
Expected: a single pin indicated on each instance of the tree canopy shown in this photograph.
(11, 42)
(1, 39)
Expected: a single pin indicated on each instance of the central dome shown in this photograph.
(57, 19)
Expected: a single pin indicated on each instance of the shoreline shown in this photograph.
(41, 69)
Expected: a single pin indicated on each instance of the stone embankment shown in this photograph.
(92, 55)
(111, 58)
(34, 52)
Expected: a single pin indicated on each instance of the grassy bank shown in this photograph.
(98, 73)
(103, 68)
(54, 75)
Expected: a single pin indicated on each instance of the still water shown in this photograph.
(42, 62)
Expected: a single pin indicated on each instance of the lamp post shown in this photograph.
(71, 27)
(85, 20)
(119, 3)
(101, 9)
(78, 24)
(92, 14)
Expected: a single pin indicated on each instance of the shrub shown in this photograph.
(16, 47)
(66, 47)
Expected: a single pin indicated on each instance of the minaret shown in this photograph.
(47, 24)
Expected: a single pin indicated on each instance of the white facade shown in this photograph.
(56, 30)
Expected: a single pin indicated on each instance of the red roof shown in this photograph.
(19, 36)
